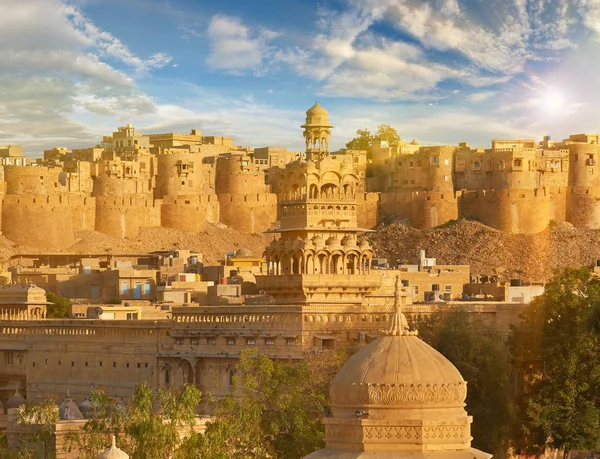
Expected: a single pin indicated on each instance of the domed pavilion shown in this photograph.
(397, 398)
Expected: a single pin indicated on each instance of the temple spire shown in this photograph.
(399, 324)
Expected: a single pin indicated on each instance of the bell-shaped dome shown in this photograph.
(310, 166)
(113, 452)
(333, 241)
(316, 110)
(86, 408)
(348, 241)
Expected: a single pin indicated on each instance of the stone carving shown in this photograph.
(398, 395)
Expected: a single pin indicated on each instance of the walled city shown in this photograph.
(165, 319)
(182, 181)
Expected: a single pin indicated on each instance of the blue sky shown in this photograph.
(439, 71)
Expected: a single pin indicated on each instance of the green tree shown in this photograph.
(556, 350)
(362, 141)
(148, 427)
(275, 408)
(483, 358)
(59, 309)
(37, 442)
(388, 133)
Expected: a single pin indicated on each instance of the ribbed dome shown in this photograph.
(398, 370)
(68, 410)
(316, 110)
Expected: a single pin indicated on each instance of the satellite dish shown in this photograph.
(99, 311)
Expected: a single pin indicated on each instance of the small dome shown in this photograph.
(15, 401)
(364, 244)
(333, 241)
(310, 166)
(113, 452)
(348, 241)
(68, 410)
(316, 110)
(318, 240)
(243, 252)
(414, 142)
(86, 408)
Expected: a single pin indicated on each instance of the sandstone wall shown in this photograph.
(181, 174)
(189, 213)
(425, 209)
(511, 211)
(367, 214)
(250, 213)
(583, 207)
(123, 216)
(38, 220)
(33, 180)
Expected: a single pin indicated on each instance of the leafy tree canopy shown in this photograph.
(59, 309)
(483, 359)
(556, 349)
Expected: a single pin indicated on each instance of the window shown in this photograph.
(139, 365)
(435, 287)
(591, 170)
(405, 283)
(132, 316)
(147, 288)
(100, 363)
(114, 364)
(416, 289)
(127, 365)
(518, 163)
(211, 340)
(124, 288)
(231, 341)
(448, 288)
(72, 363)
(179, 341)
(446, 162)
(269, 341)
(476, 165)
(194, 341)
(250, 341)
(86, 364)
(290, 341)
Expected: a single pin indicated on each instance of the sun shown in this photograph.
(553, 101)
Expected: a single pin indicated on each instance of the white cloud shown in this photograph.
(234, 47)
(477, 97)
(56, 68)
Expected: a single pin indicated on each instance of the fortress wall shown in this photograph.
(367, 209)
(583, 206)
(123, 216)
(510, 211)
(583, 169)
(234, 177)
(110, 186)
(250, 213)
(395, 205)
(32, 180)
(430, 209)
(38, 220)
(180, 174)
(189, 213)
(558, 203)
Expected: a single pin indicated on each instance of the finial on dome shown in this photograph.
(399, 325)
(114, 441)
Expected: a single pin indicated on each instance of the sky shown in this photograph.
(439, 71)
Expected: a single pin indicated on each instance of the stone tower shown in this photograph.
(316, 132)
(320, 256)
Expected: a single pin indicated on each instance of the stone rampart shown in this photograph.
(123, 216)
(31, 180)
(583, 206)
(39, 220)
(511, 211)
(250, 213)
(367, 213)
(189, 213)
(425, 209)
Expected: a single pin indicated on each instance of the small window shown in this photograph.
(211, 340)
(405, 283)
(146, 365)
(72, 363)
(290, 341)
(139, 365)
(179, 341)
(127, 365)
(435, 287)
(269, 341)
(114, 364)
(100, 363)
(448, 288)
(194, 341)
(231, 341)
(250, 341)
(86, 364)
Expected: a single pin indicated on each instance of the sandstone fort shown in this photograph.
(131, 180)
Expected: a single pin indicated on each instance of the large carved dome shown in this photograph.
(398, 370)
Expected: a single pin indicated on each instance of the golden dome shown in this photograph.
(398, 371)
(316, 110)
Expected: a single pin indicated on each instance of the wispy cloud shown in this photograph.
(234, 47)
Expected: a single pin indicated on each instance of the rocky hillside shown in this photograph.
(488, 251)
(213, 243)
